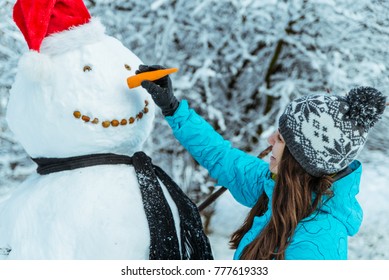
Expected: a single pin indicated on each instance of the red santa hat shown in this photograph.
(40, 19)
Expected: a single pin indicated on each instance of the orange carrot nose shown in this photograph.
(136, 80)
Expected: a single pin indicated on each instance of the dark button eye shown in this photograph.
(87, 68)
(128, 67)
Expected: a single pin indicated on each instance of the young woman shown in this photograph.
(303, 203)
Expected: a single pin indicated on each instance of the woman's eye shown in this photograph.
(87, 68)
(128, 67)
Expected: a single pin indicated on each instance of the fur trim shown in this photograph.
(73, 38)
(35, 66)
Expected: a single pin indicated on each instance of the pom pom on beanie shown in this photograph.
(325, 133)
(367, 105)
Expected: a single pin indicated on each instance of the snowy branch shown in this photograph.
(240, 62)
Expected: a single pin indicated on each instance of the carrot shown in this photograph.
(136, 80)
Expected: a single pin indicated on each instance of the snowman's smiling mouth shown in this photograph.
(115, 122)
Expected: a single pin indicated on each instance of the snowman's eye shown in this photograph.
(87, 68)
(128, 67)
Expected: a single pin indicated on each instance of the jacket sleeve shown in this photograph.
(241, 173)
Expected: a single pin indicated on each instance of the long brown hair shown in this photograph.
(292, 201)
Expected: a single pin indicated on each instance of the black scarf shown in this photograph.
(164, 244)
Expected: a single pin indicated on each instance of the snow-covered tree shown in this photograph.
(14, 163)
(241, 62)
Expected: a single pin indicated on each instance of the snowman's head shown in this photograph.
(72, 98)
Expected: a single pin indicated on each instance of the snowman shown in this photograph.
(96, 194)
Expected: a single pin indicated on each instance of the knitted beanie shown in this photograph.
(325, 133)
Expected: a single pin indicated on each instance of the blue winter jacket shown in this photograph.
(323, 235)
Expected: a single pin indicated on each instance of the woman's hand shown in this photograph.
(160, 90)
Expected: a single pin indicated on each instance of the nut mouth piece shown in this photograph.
(115, 122)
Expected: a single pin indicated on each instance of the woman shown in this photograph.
(303, 203)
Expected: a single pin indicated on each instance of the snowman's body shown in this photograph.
(79, 214)
(88, 213)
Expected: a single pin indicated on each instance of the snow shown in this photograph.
(232, 75)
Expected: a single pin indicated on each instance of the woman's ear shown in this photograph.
(35, 67)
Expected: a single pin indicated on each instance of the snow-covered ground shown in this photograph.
(370, 243)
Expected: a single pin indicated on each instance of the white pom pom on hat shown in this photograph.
(35, 66)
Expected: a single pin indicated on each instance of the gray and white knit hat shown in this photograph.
(325, 133)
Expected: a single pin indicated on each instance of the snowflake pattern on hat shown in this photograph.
(322, 135)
